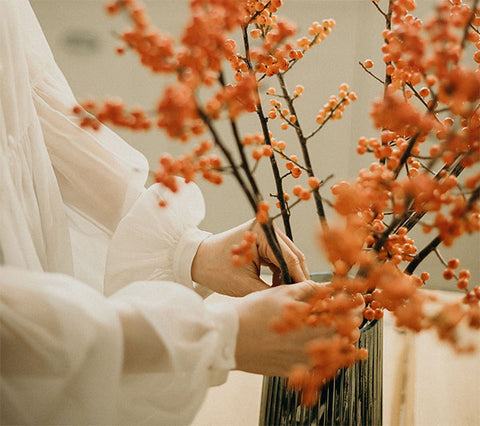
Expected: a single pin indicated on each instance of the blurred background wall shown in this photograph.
(83, 39)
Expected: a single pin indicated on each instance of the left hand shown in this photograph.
(212, 266)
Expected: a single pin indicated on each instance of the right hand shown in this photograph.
(262, 350)
(212, 265)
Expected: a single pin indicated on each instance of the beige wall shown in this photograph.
(82, 39)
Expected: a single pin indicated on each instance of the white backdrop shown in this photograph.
(82, 38)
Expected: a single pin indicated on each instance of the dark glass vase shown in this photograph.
(353, 398)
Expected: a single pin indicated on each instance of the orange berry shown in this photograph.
(284, 126)
(267, 151)
(369, 314)
(368, 63)
(256, 33)
(448, 274)
(453, 263)
(263, 206)
(362, 354)
(305, 195)
(462, 284)
(299, 88)
(424, 92)
(257, 154)
(352, 96)
(297, 190)
(425, 276)
(296, 172)
(313, 182)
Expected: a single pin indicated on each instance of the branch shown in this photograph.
(371, 73)
(241, 151)
(327, 118)
(405, 155)
(266, 134)
(432, 246)
(228, 156)
(306, 155)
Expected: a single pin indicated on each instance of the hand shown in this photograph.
(262, 350)
(212, 266)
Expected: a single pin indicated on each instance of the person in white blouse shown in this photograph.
(102, 319)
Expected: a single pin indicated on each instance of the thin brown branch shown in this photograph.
(371, 73)
(283, 155)
(228, 155)
(266, 134)
(327, 119)
(423, 254)
(306, 155)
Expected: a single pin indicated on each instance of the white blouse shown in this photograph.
(71, 202)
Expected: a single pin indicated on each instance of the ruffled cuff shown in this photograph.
(155, 243)
(226, 320)
(182, 260)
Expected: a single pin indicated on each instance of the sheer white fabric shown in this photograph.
(66, 197)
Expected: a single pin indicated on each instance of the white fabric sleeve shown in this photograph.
(157, 243)
(98, 173)
(63, 345)
(61, 351)
(198, 351)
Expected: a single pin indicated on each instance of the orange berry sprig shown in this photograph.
(278, 55)
(112, 111)
(302, 194)
(334, 108)
(270, 60)
(292, 165)
(404, 185)
(419, 193)
(188, 166)
(242, 253)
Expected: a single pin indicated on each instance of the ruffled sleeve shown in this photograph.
(64, 350)
(157, 243)
(197, 351)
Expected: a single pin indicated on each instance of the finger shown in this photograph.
(293, 263)
(301, 257)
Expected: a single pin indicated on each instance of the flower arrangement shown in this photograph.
(423, 173)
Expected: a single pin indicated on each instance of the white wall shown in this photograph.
(81, 36)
